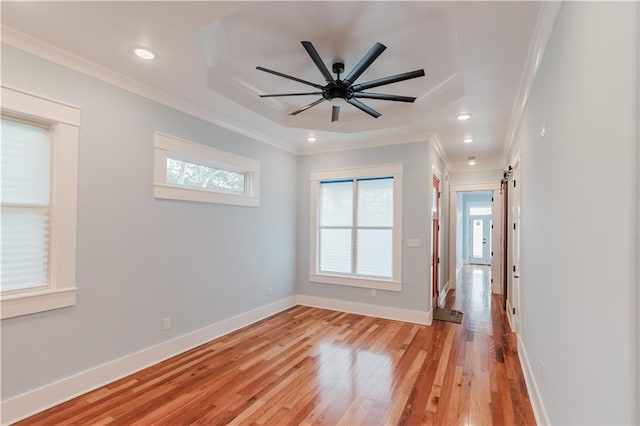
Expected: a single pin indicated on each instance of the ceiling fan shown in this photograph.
(339, 91)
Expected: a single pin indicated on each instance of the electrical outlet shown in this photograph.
(374, 292)
(270, 290)
(166, 323)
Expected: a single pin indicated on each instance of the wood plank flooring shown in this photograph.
(313, 366)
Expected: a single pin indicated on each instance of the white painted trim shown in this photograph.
(63, 120)
(514, 325)
(437, 147)
(453, 224)
(388, 285)
(453, 219)
(542, 33)
(17, 304)
(207, 153)
(170, 192)
(532, 387)
(29, 403)
(378, 311)
(357, 172)
(638, 202)
(34, 46)
(165, 145)
(39, 107)
(392, 170)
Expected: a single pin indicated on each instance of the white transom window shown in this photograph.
(190, 171)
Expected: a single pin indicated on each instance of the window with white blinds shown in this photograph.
(38, 203)
(356, 222)
(25, 158)
(356, 227)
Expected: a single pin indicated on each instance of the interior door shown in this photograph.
(435, 243)
(513, 301)
(506, 217)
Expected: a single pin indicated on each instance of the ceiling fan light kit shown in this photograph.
(340, 92)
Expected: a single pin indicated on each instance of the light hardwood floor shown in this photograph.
(313, 366)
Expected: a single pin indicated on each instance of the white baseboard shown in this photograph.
(387, 312)
(532, 387)
(37, 400)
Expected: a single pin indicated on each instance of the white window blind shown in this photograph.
(25, 158)
(356, 227)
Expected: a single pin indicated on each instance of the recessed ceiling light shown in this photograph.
(311, 139)
(463, 117)
(472, 161)
(144, 53)
(467, 140)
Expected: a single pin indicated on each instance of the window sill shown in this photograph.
(198, 195)
(18, 304)
(389, 285)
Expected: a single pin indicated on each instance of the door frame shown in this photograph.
(435, 245)
(454, 271)
(514, 281)
(506, 217)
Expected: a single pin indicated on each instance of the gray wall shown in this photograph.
(142, 259)
(417, 192)
(475, 176)
(579, 217)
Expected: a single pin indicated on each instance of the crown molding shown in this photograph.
(544, 28)
(37, 47)
(437, 146)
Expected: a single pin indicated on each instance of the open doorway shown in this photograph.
(476, 207)
(474, 227)
(435, 243)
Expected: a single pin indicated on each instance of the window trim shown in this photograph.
(387, 170)
(64, 122)
(165, 144)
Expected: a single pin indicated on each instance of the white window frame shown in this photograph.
(64, 123)
(390, 170)
(165, 145)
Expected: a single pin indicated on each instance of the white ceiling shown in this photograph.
(473, 54)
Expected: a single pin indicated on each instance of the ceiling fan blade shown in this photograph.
(335, 113)
(306, 107)
(365, 62)
(383, 97)
(299, 80)
(317, 60)
(356, 103)
(388, 80)
(290, 94)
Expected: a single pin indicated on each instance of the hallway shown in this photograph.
(478, 380)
